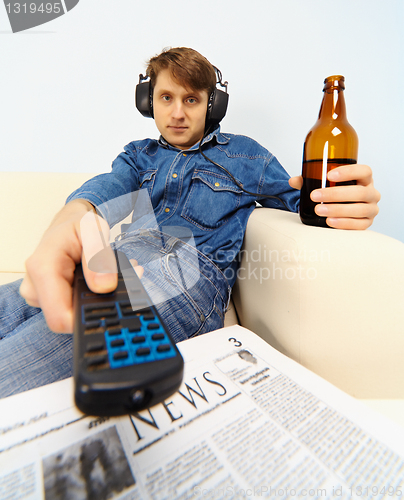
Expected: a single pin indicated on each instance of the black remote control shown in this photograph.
(124, 358)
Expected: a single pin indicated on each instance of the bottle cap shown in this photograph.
(334, 81)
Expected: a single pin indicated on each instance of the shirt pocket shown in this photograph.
(147, 178)
(211, 201)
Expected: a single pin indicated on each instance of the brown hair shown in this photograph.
(187, 66)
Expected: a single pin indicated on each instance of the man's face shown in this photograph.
(179, 113)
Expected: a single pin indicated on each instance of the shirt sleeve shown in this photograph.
(113, 193)
(274, 186)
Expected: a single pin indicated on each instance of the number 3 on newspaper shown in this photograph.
(236, 342)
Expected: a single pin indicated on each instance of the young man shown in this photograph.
(201, 182)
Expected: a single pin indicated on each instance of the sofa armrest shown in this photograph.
(330, 299)
(28, 203)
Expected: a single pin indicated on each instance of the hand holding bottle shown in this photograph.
(335, 190)
(346, 207)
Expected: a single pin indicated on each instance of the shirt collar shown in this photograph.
(214, 135)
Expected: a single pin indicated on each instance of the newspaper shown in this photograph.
(247, 422)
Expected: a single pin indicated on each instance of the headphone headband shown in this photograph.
(217, 103)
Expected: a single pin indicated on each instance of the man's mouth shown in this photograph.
(177, 128)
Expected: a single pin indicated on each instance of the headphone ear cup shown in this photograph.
(217, 107)
(143, 99)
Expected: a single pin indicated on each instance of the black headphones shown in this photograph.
(217, 104)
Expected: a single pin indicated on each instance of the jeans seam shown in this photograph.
(166, 270)
(214, 308)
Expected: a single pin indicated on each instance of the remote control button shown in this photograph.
(117, 343)
(101, 315)
(138, 339)
(92, 331)
(114, 331)
(127, 309)
(92, 324)
(143, 351)
(163, 347)
(112, 322)
(121, 355)
(95, 346)
(96, 361)
(127, 312)
(100, 312)
(147, 313)
(103, 305)
(158, 336)
(134, 325)
(153, 326)
(93, 295)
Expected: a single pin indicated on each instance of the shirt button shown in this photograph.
(175, 176)
(217, 184)
(184, 154)
(167, 210)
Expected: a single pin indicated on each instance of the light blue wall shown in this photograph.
(67, 86)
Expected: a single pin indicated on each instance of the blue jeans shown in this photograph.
(190, 293)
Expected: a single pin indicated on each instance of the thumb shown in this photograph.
(98, 258)
(296, 182)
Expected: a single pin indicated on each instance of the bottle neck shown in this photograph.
(333, 104)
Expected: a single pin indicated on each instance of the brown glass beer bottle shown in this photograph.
(330, 143)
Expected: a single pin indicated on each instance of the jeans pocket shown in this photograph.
(183, 318)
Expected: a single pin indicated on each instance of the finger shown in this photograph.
(341, 194)
(296, 182)
(27, 292)
(98, 258)
(362, 174)
(51, 287)
(139, 270)
(347, 210)
(349, 223)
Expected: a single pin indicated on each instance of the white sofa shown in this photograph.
(332, 300)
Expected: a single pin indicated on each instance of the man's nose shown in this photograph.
(178, 110)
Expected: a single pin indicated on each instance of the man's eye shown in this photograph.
(191, 100)
(166, 98)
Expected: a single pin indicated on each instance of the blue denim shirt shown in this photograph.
(190, 192)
